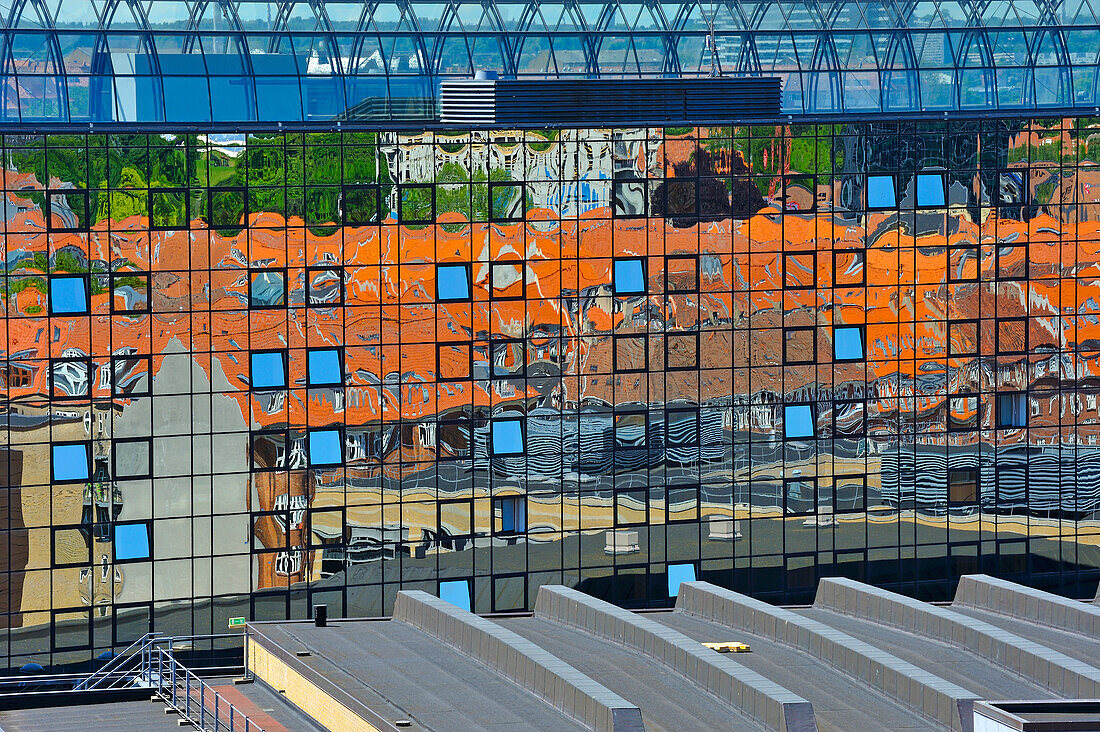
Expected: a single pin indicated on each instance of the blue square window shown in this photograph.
(629, 276)
(513, 514)
(70, 462)
(131, 541)
(930, 193)
(848, 343)
(325, 367)
(507, 437)
(268, 370)
(798, 421)
(678, 573)
(452, 282)
(456, 592)
(69, 295)
(881, 192)
(325, 447)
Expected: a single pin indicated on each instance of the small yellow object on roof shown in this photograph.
(730, 647)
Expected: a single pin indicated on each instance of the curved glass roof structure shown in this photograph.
(248, 60)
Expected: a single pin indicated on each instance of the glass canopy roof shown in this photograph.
(243, 60)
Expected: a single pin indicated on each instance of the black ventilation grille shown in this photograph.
(608, 101)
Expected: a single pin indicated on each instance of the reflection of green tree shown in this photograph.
(462, 193)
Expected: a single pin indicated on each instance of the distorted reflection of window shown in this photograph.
(930, 192)
(268, 370)
(1012, 410)
(848, 343)
(452, 282)
(628, 277)
(881, 192)
(70, 462)
(325, 447)
(678, 574)
(268, 290)
(69, 295)
(798, 421)
(507, 437)
(131, 541)
(325, 367)
(456, 592)
(511, 514)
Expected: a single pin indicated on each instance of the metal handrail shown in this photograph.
(113, 670)
(195, 700)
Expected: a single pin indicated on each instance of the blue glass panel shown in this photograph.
(930, 190)
(324, 97)
(452, 282)
(798, 421)
(881, 192)
(456, 592)
(325, 368)
(507, 437)
(70, 462)
(232, 97)
(132, 541)
(678, 573)
(278, 99)
(629, 276)
(68, 295)
(513, 514)
(848, 343)
(186, 99)
(325, 447)
(268, 371)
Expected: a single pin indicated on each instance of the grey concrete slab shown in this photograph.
(668, 701)
(135, 716)
(839, 705)
(1017, 601)
(400, 672)
(521, 661)
(1075, 645)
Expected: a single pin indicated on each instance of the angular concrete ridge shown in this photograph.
(1024, 603)
(915, 688)
(520, 661)
(1048, 668)
(759, 699)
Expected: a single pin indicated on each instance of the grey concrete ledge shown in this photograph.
(759, 699)
(928, 695)
(1024, 603)
(1065, 676)
(520, 661)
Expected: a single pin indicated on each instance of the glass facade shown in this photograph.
(270, 61)
(247, 374)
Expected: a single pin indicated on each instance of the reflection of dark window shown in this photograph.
(455, 521)
(849, 493)
(848, 267)
(67, 210)
(682, 503)
(963, 412)
(322, 205)
(799, 345)
(269, 450)
(630, 429)
(267, 288)
(629, 198)
(510, 515)
(1011, 336)
(1012, 262)
(682, 427)
(799, 496)
(962, 264)
(681, 351)
(1012, 187)
(849, 417)
(800, 270)
(71, 547)
(226, 207)
(168, 209)
(506, 202)
(130, 292)
(324, 286)
(962, 338)
(631, 352)
(416, 204)
(361, 205)
(508, 280)
(681, 274)
(962, 486)
(1012, 410)
(130, 375)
